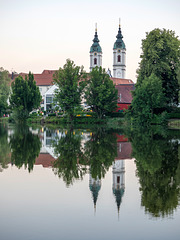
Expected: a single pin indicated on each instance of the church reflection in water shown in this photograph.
(74, 154)
(47, 157)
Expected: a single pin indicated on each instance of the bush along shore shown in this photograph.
(88, 118)
(81, 117)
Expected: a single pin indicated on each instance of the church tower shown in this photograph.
(95, 186)
(95, 52)
(118, 181)
(119, 56)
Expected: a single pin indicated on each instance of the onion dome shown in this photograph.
(118, 193)
(119, 42)
(95, 46)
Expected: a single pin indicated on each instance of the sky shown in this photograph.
(42, 34)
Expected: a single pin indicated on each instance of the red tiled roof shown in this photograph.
(118, 81)
(121, 138)
(45, 159)
(125, 91)
(43, 79)
(46, 77)
(124, 150)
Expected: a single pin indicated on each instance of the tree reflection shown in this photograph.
(4, 147)
(70, 163)
(157, 163)
(25, 147)
(75, 154)
(100, 152)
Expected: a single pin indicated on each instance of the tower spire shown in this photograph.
(119, 22)
(95, 52)
(119, 55)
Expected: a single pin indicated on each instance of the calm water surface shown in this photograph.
(89, 184)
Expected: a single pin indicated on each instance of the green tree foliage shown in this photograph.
(161, 55)
(25, 147)
(4, 89)
(100, 92)
(5, 156)
(148, 99)
(157, 163)
(69, 165)
(25, 96)
(100, 152)
(68, 78)
(178, 77)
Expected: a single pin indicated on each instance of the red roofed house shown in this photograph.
(43, 80)
(124, 96)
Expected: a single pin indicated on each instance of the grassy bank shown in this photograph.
(110, 122)
(4, 119)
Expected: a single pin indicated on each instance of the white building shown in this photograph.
(43, 80)
(118, 171)
(95, 53)
(119, 57)
(48, 97)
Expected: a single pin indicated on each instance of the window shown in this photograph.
(95, 61)
(119, 147)
(119, 58)
(49, 100)
(118, 179)
(120, 97)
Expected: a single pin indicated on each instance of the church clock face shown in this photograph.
(119, 73)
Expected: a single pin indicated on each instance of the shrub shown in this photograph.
(174, 115)
(115, 114)
(52, 114)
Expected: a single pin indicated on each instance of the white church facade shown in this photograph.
(119, 55)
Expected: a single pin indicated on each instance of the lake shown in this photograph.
(89, 183)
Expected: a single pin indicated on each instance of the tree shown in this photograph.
(25, 147)
(68, 96)
(68, 165)
(178, 77)
(156, 155)
(4, 89)
(100, 92)
(148, 98)
(5, 152)
(160, 55)
(100, 152)
(25, 96)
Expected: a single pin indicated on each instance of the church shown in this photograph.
(45, 80)
(119, 55)
(124, 86)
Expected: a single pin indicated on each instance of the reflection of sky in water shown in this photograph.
(38, 205)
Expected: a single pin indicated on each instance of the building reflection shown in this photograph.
(47, 157)
(118, 172)
(21, 146)
(124, 152)
(94, 186)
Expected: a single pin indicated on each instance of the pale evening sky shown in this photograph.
(42, 34)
